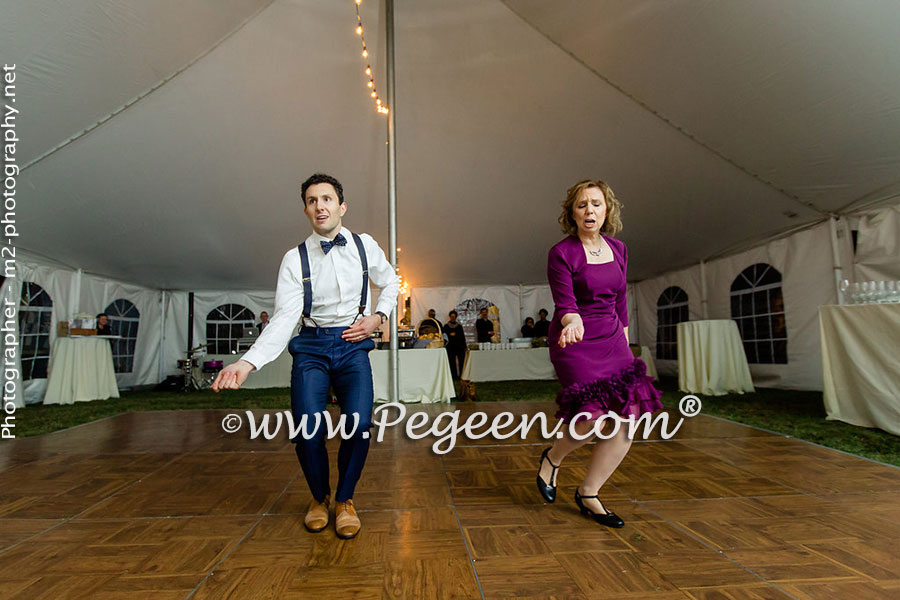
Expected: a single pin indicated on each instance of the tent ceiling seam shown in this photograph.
(872, 199)
(147, 92)
(663, 118)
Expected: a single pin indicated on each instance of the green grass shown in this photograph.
(794, 413)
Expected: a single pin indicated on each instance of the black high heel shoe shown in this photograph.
(547, 490)
(609, 518)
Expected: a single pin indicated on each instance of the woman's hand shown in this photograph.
(573, 330)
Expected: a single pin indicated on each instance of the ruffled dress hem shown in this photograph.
(627, 393)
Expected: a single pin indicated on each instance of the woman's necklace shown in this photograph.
(595, 252)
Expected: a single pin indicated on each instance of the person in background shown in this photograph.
(484, 327)
(542, 327)
(432, 314)
(263, 321)
(456, 344)
(528, 328)
(103, 327)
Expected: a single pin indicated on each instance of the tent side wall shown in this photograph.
(805, 262)
(62, 284)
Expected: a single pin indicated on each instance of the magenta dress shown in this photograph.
(599, 374)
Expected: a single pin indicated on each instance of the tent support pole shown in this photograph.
(162, 335)
(836, 258)
(704, 304)
(394, 358)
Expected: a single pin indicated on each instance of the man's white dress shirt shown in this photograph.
(337, 289)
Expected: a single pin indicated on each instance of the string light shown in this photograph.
(379, 105)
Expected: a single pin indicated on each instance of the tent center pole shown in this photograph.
(394, 357)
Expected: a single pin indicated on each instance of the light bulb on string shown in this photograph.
(379, 107)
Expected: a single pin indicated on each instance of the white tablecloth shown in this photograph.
(424, 374)
(508, 365)
(861, 364)
(711, 358)
(81, 369)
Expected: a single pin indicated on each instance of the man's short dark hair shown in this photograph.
(102, 315)
(543, 311)
(453, 312)
(322, 178)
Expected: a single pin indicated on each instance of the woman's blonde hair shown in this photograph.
(613, 223)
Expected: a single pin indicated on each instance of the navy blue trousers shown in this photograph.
(322, 359)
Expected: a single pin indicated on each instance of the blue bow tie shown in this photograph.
(339, 240)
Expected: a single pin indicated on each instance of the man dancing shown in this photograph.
(324, 283)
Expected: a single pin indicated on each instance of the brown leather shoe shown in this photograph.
(317, 516)
(346, 521)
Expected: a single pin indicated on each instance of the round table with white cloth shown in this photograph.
(81, 369)
(711, 358)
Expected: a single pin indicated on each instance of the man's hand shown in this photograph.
(232, 376)
(362, 328)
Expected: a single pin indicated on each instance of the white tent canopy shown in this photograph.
(712, 121)
(163, 144)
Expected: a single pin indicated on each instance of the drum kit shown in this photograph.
(197, 377)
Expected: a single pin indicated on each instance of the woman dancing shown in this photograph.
(589, 343)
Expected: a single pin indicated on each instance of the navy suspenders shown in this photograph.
(307, 279)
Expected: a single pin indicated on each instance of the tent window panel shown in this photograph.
(764, 352)
(750, 351)
(757, 304)
(746, 301)
(124, 319)
(671, 309)
(763, 328)
(779, 352)
(779, 329)
(35, 320)
(225, 326)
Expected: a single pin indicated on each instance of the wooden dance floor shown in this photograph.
(166, 505)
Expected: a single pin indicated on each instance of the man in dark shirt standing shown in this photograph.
(456, 344)
(542, 327)
(432, 314)
(484, 327)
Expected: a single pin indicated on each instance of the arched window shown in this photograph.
(35, 320)
(758, 307)
(225, 326)
(123, 321)
(671, 309)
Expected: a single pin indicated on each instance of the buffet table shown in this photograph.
(861, 364)
(529, 364)
(424, 374)
(508, 365)
(81, 369)
(711, 359)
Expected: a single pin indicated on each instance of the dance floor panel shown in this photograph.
(166, 505)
